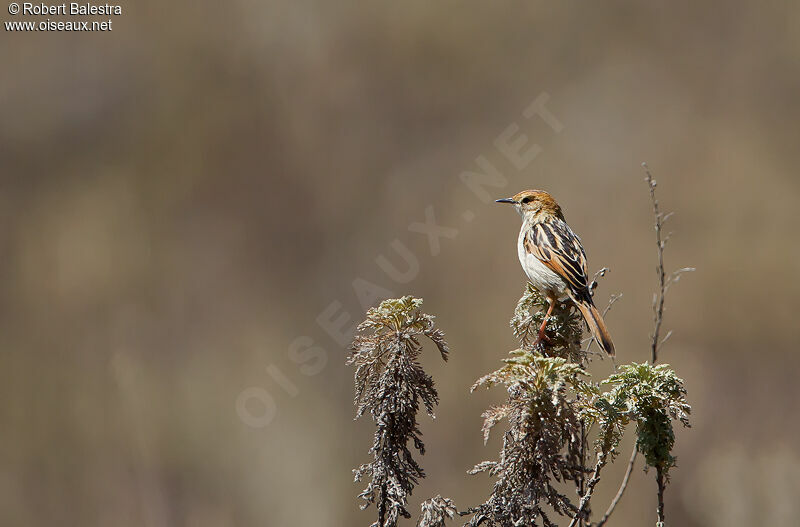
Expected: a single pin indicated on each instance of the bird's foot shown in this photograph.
(543, 341)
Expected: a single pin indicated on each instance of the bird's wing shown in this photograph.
(560, 249)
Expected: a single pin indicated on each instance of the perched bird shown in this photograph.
(554, 260)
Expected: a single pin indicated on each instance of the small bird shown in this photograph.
(554, 260)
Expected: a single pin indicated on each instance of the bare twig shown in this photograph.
(611, 302)
(601, 462)
(660, 482)
(582, 480)
(666, 338)
(658, 300)
(621, 490)
(676, 276)
(664, 281)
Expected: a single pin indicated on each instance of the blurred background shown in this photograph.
(186, 202)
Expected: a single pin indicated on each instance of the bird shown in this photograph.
(553, 258)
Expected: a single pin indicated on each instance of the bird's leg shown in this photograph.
(542, 335)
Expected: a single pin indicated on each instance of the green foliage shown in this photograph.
(653, 396)
(390, 383)
(609, 414)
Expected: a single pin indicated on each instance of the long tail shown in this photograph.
(596, 324)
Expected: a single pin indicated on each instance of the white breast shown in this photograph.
(543, 279)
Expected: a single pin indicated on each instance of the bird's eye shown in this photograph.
(526, 199)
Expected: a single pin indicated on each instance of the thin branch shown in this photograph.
(660, 481)
(611, 302)
(676, 276)
(601, 461)
(621, 490)
(582, 480)
(658, 302)
(666, 338)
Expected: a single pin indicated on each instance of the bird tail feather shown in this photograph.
(596, 325)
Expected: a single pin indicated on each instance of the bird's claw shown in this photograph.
(542, 342)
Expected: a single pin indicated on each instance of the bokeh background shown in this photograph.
(181, 198)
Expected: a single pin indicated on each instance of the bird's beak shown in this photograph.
(505, 200)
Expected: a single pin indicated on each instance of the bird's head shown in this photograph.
(533, 203)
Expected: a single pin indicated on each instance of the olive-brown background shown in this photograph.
(183, 196)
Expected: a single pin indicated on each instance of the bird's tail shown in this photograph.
(596, 324)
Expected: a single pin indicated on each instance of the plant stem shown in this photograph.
(658, 315)
(601, 461)
(621, 490)
(658, 304)
(660, 510)
(582, 480)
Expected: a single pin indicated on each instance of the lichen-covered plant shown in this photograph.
(390, 384)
